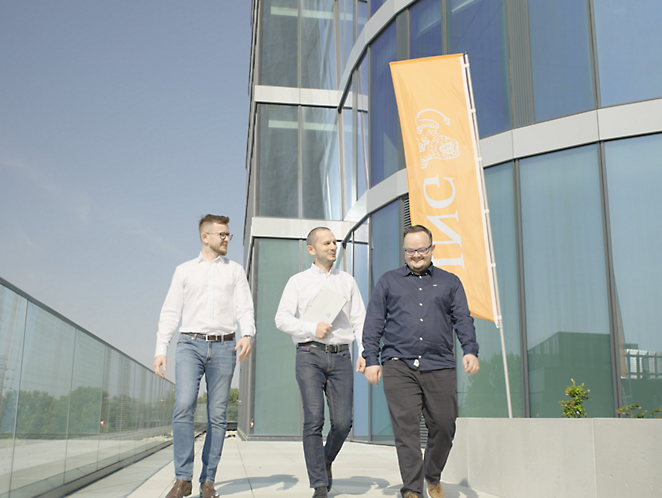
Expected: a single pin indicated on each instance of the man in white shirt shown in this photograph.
(323, 360)
(211, 295)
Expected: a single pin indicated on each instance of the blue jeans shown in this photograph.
(319, 373)
(216, 360)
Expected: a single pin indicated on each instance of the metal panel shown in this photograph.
(517, 16)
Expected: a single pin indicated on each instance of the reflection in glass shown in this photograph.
(629, 50)
(634, 177)
(560, 58)
(564, 281)
(385, 255)
(425, 30)
(109, 445)
(383, 110)
(277, 396)
(318, 54)
(279, 43)
(349, 161)
(320, 169)
(362, 277)
(479, 28)
(346, 27)
(12, 327)
(277, 163)
(85, 411)
(362, 127)
(484, 395)
(43, 404)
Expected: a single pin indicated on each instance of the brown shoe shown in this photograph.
(180, 489)
(435, 491)
(207, 490)
(409, 494)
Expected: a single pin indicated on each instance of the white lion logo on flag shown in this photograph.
(431, 144)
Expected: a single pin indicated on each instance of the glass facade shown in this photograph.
(574, 232)
(69, 404)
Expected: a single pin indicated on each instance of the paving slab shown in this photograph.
(268, 469)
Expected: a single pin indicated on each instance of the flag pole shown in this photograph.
(496, 303)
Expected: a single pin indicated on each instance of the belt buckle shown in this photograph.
(331, 348)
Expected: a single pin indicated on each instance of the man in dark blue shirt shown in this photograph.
(414, 310)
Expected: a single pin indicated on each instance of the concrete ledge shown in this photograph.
(518, 458)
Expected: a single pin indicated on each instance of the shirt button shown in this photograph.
(420, 357)
(421, 304)
(421, 319)
(421, 338)
(420, 288)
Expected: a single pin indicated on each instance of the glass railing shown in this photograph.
(70, 404)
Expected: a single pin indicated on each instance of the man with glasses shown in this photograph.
(414, 310)
(211, 295)
(323, 360)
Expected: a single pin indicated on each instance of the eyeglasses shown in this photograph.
(222, 235)
(422, 251)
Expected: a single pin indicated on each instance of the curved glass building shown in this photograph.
(569, 106)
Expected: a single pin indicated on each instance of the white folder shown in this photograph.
(324, 307)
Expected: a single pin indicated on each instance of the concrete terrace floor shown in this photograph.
(266, 469)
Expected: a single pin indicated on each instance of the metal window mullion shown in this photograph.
(593, 43)
(524, 350)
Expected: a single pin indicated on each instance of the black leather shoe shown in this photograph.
(320, 492)
(180, 489)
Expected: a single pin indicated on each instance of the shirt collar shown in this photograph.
(406, 271)
(318, 271)
(201, 259)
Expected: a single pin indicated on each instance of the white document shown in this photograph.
(324, 307)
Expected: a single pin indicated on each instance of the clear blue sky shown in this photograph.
(121, 123)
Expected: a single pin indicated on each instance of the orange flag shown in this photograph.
(444, 171)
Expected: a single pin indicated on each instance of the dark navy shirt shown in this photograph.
(415, 316)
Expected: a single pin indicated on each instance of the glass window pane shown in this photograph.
(634, 177)
(277, 405)
(385, 255)
(318, 45)
(629, 49)
(361, 15)
(374, 5)
(564, 281)
(347, 37)
(560, 58)
(279, 43)
(479, 28)
(320, 170)
(425, 31)
(109, 444)
(348, 160)
(12, 327)
(362, 277)
(43, 404)
(485, 393)
(278, 161)
(125, 419)
(362, 128)
(384, 129)
(85, 412)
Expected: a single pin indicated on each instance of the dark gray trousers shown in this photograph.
(410, 393)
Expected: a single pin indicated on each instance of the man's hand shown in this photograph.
(360, 364)
(245, 345)
(373, 374)
(471, 363)
(158, 361)
(323, 330)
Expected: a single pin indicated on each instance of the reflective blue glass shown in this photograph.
(560, 58)
(479, 28)
(629, 46)
(384, 256)
(318, 44)
(634, 178)
(565, 286)
(362, 128)
(484, 395)
(279, 43)
(374, 5)
(362, 277)
(384, 130)
(425, 29)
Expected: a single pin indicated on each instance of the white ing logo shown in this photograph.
(431, 146)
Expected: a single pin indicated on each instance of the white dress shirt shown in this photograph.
(210, 298)
(300, 291)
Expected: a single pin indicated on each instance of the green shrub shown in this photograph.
(572, 408)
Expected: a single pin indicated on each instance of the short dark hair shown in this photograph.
(418, 228)
(312, 235)
(213, 218)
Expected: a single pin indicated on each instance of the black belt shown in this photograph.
(329, 348)
(210, 338)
